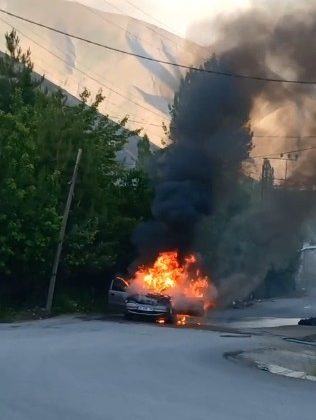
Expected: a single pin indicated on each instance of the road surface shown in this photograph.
(268, 313)
(71, 369)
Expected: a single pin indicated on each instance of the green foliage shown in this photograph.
(65, 304)
(39, 139)
(29, 219)
(144, 153)
(7, 314)
(16, 74)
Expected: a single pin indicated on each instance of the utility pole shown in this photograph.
(289, 158)
(52, 282)
(285, 174)
(267, 178)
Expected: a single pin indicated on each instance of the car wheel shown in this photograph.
(170, 319)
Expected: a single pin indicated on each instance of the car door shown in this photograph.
(118, 293)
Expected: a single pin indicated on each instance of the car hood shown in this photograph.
(149, 299)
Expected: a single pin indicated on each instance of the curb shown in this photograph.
(300, 341)
(279, 370)
(239, 356)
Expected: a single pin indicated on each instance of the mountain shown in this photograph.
(129, 154)
(132, 86)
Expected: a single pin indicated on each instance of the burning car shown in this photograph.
(164, 290)
(189, 306)
(153, 306)
(180, 278)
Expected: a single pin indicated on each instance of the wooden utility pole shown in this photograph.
(289, 158)
(52, 282)
(267, 178)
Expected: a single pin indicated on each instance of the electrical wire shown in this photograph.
(274, 155)
(284, 137)
(100, 16)
(160, 22)
(152, 29)
(152, 59)
(90, 77)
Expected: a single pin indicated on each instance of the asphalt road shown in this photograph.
(70, 369)
(268, 313)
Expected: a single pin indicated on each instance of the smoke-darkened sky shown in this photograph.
(210, 134)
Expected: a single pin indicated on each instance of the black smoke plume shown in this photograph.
(210, 129)
(210, 141)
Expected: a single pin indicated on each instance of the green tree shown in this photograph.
(16, 72)
(39, 138)
(28, 208)
(144, 153)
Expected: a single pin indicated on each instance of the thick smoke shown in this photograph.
(210, 129)
(210, 141)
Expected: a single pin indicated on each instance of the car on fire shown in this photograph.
(153, 306)
(191, 306)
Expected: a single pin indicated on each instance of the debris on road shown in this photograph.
(308, 321)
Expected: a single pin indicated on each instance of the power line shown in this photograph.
(274, 155)
(90, 77)
(285, 137)
(93, 11)
(160, 22)
(150, 28)
(152, 59)
(158, 125)
(271, 156)
(149, 15)
(144, 122)
(143, 24)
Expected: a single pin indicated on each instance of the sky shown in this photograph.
(173, 15)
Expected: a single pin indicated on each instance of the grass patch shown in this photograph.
(67, 303)
(7, 314)
(10, 314)
(64, 303)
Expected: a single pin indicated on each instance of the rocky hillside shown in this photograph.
(132, 86)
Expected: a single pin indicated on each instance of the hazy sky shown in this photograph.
(172, 15)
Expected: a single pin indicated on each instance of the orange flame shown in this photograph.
(170, 277)
(182, 320)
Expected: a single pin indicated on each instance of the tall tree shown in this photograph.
(39, 138)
